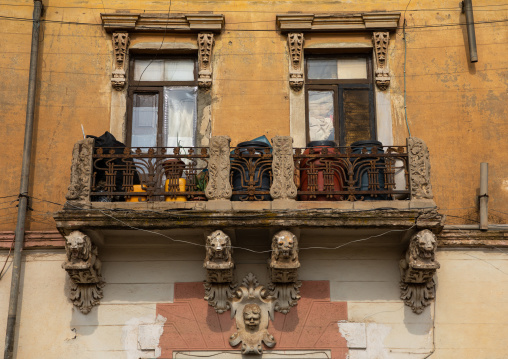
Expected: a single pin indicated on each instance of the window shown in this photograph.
(162, 102)
(340, 99)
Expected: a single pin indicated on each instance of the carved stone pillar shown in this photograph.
(295, 42)
(219, 267)
(84, 269)
(120, 46)
(284, 264)
(205, 45)
(81, 173)
(219, 187)
(380, 41)
(417, 270)
(283, 169)
(419, 169)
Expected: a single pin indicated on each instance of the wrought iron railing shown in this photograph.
(251, 173)
(352, 174)
(149, 174)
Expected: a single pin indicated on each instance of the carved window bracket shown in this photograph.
(120, 47)
(295, 43)
(84, 269)
(380, 41)
(417, 270)
(205, 46)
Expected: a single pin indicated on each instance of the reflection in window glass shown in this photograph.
(179, 70)
(355, 68)
(164, 70)
(180, 116)
(322, 69)
(321, 116)
(149, 70)
(144, 120)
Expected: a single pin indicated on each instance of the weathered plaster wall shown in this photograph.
(458, 108)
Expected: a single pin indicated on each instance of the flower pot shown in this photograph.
(362, 169)
(173, 185)
(173, 168)
(136, 188)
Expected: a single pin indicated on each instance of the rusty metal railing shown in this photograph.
(149, 174)
(347, 174)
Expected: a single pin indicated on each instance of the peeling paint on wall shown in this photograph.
(140, 337)
(365, 340)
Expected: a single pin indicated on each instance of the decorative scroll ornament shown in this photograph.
(84, 269)
(283, 168)
(219, 271)
(295, 42)
(284, 264)
(417, 270)
(81, 171)
(252, 307)
(120, 46)
(205, 45)
(419, 169)
(381, 40)
(219, 187)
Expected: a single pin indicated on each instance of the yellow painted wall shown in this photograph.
(459, 109)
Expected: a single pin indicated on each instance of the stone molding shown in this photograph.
(219, 187)
(84, 270)
(383, 21)
(34, 239)
(129, 22)
(419, 169)
(295, 44)
(81, 172)
(205, 46)
(283, 169)
(120, 47)
(417, 270)
(380, 41)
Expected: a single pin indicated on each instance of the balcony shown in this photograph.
(250, 186)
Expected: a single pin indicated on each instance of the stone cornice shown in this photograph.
(454, 238)
(33, 239)
(131, 22)
(380, 21)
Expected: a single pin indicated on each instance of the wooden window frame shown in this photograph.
(338, 86)
(154, 87)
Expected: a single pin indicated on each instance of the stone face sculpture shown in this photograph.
(417, 271)
(252, 307)
(284, 264)
(84, 269)
(219, 267)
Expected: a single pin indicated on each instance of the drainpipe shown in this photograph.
(23, 192)
(467, 7)
(484, 196)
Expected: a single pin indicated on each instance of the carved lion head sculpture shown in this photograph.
(78, 246)
(285, 247)
(423, 246)
(218, 247)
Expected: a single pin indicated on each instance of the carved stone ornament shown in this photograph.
(120, 46)
(284, 264)
(205, 45)
(380, 41)
(84, 269)
(295, 42)
(219, 187)
(417, 270)
(252, 307)
(81, 171)
(283, 168)
(219, 271)
(419, 169)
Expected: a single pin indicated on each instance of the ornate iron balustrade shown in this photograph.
(149, 174)
(251, 173)
(347, 174)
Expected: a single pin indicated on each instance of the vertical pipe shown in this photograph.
(484, 198)
(467, 7)
(25, 174)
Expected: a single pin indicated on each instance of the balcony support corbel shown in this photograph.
(417, 270)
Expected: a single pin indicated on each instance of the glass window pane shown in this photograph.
(180, 113)
(322, 69)
(144, 120)
(321, 116)
(149, 70)
(352, 68)
(357, 117)
(179, 70)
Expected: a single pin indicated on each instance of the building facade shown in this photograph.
(271, 179)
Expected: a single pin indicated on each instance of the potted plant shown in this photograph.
(200, 180)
